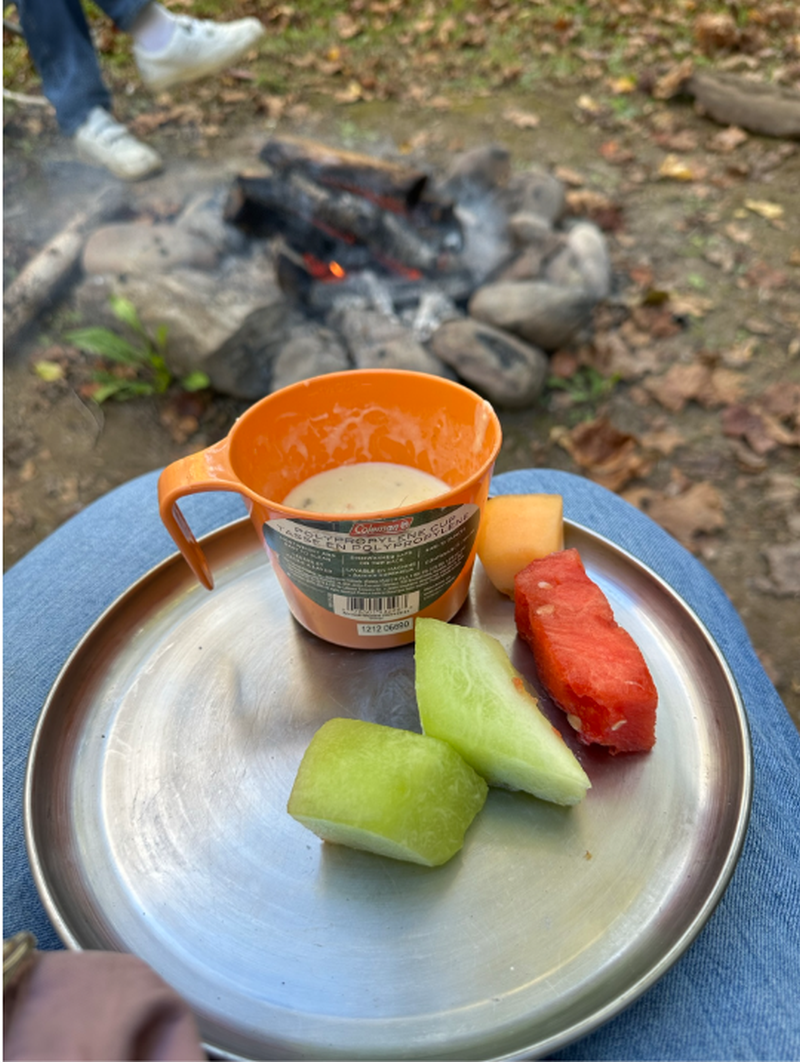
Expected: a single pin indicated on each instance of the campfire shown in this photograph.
(320, 260)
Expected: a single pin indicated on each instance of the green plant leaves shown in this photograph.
(107, 344)
(124, 310)
(152, 374)
(195, 381)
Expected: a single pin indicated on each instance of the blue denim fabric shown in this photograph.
(61, 47)
(733, 994)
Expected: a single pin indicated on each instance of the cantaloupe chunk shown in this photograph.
(515, 530)
(387, 791)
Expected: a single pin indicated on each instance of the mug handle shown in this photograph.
(207, 470)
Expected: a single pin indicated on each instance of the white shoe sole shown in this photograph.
(133, 172)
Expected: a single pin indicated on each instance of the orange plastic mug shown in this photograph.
(358, 580)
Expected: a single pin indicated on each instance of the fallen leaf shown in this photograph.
(50, 371)
(741, 354)
(569, 176)
(764, 208)
(234, 95)
(740, 421)
(622, 86)
(674, 81)
(614, 152)
(704, 384)
(664, 441)
(521, 119)
(347, 27)
(682, 140)
(596, 207)
(675, 169)
(757, 326)
(564, 364)
(590, 106)
(713, 32)
(763, 276)
(351, 94)
(611, 457)
(748, 460)
(783, 490)
(739, 233)
(727, 140)
(612, 356)
(783, 400)
(696, 510)
(690, 305)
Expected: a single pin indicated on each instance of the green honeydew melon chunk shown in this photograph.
(470, 694)
(388, 791)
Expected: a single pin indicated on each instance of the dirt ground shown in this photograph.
(707, 278)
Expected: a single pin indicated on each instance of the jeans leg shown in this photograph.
(58, 39)
(123, 13)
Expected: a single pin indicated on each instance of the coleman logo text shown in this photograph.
(387, 527)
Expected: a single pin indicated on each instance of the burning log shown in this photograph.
(388, 184)
(303, 212)
(319, 294)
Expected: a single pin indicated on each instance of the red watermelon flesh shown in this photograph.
(590, 666)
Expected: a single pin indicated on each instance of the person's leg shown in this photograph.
(731, 995)
(60, 44)
(61, 48)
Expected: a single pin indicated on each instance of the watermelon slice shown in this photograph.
(590, 666)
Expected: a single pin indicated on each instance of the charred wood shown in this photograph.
(293, 206)
(388, 184)
(318, 297)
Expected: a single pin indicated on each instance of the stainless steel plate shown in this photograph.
(156, 823)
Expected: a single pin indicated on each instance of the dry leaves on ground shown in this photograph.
(710, 386)
(696, 509)
(783, 579)
(769, 421)
(611, 457)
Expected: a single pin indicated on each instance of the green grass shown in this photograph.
(452, 47)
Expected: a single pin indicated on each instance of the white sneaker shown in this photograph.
(198, 48)
(104, 141)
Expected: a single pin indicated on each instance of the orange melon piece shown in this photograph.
(517, 529)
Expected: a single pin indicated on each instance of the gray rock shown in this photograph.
(506, 370)
(477, 171)
(309, 350)
(528, 265)
(433, 309)
(232, 331)
(541, 313)
(487, 244)
(379, 342)
(535, 191)
(135, 248)
(527, 229)
(583, 261)
(202, 217)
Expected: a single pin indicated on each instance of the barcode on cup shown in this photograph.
(386, 607)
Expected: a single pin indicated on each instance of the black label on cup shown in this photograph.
(376, 569)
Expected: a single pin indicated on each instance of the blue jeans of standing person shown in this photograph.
(734, 994)
(58, 38)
